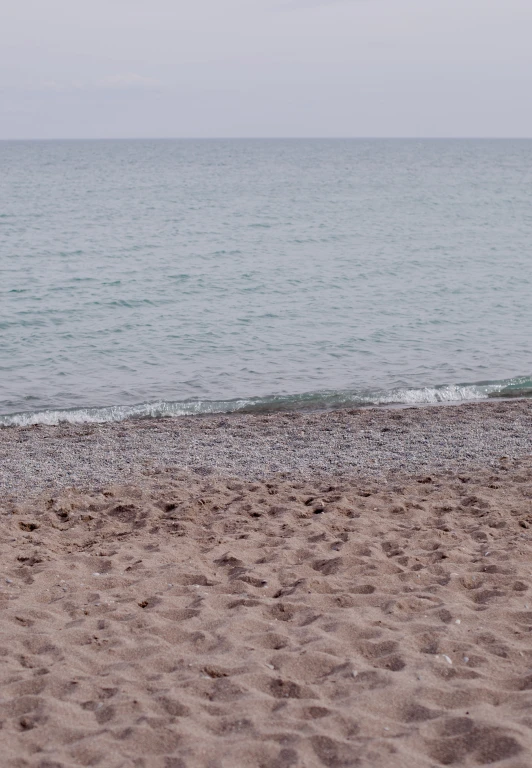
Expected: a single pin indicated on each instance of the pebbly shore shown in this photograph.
(369, 442)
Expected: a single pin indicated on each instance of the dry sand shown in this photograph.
(371, 612)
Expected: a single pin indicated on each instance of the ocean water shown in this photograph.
(143, 278)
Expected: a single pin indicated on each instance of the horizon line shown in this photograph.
(268, 138)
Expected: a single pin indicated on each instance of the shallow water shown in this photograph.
(151, 277)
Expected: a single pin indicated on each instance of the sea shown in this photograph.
(146, 278)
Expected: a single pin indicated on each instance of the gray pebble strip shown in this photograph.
(369, 442)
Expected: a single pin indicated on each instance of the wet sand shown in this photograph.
(339, 589)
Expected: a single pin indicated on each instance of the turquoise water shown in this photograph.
(149, 277)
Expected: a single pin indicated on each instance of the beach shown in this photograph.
(341, 588)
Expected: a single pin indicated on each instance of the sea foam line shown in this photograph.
(450, 393)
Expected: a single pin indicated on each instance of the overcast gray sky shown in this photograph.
(215, 68)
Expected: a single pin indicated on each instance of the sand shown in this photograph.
(371, 612)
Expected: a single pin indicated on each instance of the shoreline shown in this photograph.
(350, 442)
(318, 402)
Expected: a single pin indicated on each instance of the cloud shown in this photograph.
(59, 86)
(126, 81)
(292, 5)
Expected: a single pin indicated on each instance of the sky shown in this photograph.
(265, 68)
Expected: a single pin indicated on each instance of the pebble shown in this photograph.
(249, 446)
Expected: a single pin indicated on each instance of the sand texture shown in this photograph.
(189, 620)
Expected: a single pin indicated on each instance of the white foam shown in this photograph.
(317, 400)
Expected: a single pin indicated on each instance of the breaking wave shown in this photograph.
(446, 393)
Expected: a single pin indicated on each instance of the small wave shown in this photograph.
(447, 393)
